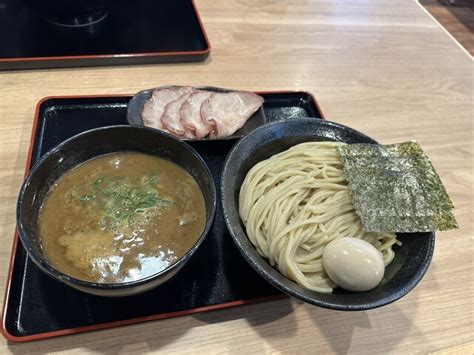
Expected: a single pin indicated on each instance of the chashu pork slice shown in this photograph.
(228, 112)
(191, 114)
(155, 106)
(171, 118)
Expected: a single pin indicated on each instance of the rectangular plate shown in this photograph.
(37, 306)
(137, 103)
(127, 35)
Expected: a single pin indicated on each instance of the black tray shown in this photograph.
(37, 306)
(125, 32)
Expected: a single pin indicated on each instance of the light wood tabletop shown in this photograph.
(383, 67)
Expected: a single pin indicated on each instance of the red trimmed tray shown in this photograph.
(217, 276)
(125, 32)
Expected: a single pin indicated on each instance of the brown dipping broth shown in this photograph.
(121, 217)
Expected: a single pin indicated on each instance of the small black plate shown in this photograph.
(217, 276)
(135, 109)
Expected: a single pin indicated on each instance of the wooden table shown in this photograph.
(383, 67)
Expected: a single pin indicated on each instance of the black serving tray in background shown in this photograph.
(37, 306)
(131, 32)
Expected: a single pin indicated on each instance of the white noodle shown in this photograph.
(294, 203)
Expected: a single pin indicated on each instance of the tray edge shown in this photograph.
(5, 332)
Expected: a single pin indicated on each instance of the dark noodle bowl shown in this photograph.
(411, 260)
(84, 147)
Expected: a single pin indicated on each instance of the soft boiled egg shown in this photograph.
(353, 264)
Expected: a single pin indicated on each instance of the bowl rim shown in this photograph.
(260, 265)
(53, 272)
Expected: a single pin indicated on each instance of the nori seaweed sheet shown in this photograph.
(396, 189)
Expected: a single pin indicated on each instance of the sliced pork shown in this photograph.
(155, 106)
(171, 118)
(191, 114)
(151, 115)
(228, 112)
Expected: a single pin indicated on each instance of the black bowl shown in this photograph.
(401, 276)
(83, 147)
